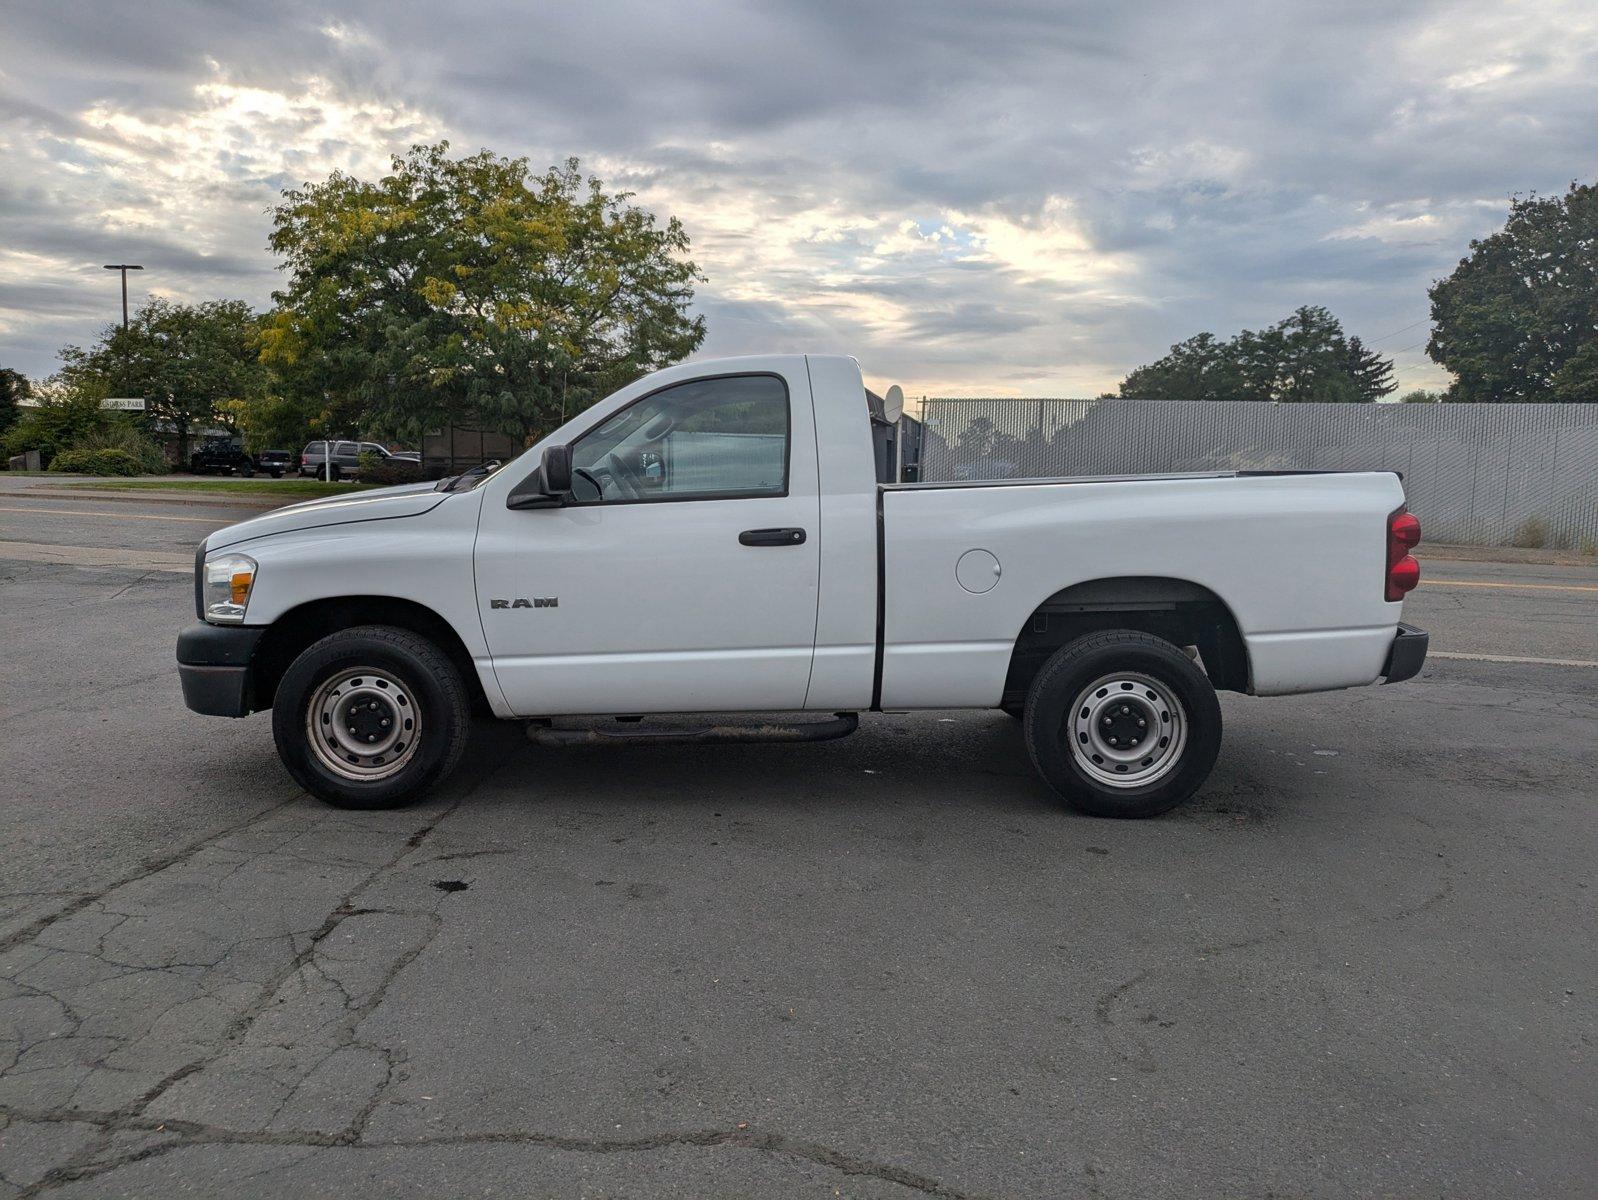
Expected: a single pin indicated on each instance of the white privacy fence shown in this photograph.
(1487, 474)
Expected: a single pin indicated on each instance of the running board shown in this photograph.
(841, 725)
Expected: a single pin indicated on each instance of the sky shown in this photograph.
(971, 198)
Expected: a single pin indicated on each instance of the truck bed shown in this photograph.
(1297, 559)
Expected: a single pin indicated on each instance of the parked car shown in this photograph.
(275, 463)
(222, 456)
(715, 538)
(347, 457)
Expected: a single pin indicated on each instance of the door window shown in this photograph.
(719, 438)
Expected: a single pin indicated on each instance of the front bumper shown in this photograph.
(214, 665)
(1407, 656)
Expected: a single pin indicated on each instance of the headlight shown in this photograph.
(226, 594)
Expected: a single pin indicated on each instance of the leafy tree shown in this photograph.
(185, 360)
(469, 288)
(1422, 396)
(1304, 357)
(1200, 368)
(1518, 318)
(14, 388)
(63, 417)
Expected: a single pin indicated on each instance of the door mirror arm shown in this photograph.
(550, 484)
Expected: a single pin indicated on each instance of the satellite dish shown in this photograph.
(893, 404)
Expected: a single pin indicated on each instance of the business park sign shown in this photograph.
(119, 403)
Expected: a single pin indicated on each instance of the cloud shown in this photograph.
(1020, 198)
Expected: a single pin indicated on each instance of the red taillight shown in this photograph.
(1403, 571)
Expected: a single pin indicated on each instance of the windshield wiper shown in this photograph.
(466, 479)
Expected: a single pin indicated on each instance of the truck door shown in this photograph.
(683, 577)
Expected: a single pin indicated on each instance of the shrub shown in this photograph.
(124, 435)
(112, 461)
(1532, 535)
(73, 462)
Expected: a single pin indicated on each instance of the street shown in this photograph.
(1360, 962)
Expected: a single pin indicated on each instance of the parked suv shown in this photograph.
(221, 456)
(347, 457)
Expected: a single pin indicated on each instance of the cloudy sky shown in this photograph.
(972, 198)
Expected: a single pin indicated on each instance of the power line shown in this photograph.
(1402, 331)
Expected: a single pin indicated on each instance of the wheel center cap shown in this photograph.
(1124, 723)
(370, 719)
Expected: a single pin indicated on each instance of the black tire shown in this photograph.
(247, 471)
(277, 474)
(336, 473)
(1051, 712)
(442, 704)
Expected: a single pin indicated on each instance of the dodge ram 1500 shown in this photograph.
(718, 537)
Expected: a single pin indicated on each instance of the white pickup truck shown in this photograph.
(719, 538)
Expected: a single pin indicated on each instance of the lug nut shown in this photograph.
(1106, 720)
(1113, 742)
(1141, 722)
(384, 722)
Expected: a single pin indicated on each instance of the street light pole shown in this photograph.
(124, 268)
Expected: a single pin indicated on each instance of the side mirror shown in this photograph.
(558, 470)
(547, 486)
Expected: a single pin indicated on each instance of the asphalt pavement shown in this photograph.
(1361, 962)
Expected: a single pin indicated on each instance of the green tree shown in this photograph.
(1200, 368)
(468, 288)
(184, 359)
(14, 388)
(1304, 357)
(1518, 318)
(63, 417)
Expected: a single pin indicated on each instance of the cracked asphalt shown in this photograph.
(1362, 962)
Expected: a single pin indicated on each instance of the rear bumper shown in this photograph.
(1407, 655)
(214, 666)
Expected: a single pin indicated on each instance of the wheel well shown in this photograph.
(299, 627)
(1181, 612)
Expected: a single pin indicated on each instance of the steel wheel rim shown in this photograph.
(1126, 730)
(363, 724)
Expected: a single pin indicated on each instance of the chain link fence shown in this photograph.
(1482, 474)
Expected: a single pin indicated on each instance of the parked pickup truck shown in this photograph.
(715, 538)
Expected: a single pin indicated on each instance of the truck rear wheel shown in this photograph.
(1122, 724)
(370, 717)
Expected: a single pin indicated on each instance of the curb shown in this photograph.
(255, 500)
(1447, 552)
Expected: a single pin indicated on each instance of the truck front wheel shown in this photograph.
(1122, 724)
(370, 717)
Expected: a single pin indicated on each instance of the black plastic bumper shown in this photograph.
(1407, 656)
(214, 665)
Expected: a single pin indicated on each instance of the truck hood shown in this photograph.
(383, 504)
